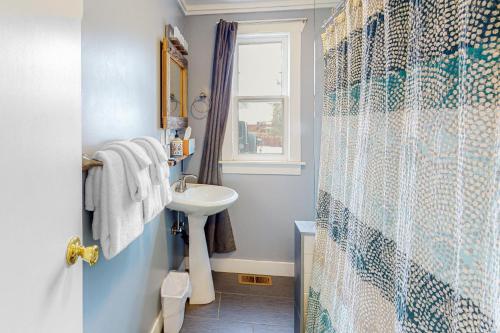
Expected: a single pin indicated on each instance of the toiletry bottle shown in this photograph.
(176, 146)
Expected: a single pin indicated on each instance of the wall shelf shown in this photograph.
(174, 160)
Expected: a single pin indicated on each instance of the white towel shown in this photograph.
(160, 194)
(160, 159)
(160, 151)
(159, 170)
(89, 190)
(93, 197)
(141, 157)
(136, 168)
(153, 204)
(154, 169)
(118, 219)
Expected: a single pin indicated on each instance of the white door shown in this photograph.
(40, 165)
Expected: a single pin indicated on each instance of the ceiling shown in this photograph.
(204, 7)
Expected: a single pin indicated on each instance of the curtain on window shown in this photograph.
(218, 230)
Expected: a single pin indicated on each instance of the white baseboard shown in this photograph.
(228, 265)
(274, 268)
(158, 324)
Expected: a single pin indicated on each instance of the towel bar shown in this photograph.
(88, 162)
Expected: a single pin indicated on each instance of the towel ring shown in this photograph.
(175, 101)
(201, 113)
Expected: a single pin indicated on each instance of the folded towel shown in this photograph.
(153, 204)
(141, 157)
(160, 158)
(118, 219)
(159, 195)
(136, 164)
(160, 151)
(159, 170)
(93, 197)
(155, 171)
(89, 190)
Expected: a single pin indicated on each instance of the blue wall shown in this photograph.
(116, 292)
(122, 294)
(121, 100)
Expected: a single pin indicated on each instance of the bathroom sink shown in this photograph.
(198, 202)
(201, 199)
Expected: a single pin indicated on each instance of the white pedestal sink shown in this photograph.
(200, 201)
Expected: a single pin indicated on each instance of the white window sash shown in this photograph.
(286, 130)
(282, 38)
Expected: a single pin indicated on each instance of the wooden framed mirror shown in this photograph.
(174, 83)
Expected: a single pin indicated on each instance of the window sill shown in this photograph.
(293, 168)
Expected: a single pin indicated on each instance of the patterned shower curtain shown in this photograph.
(408, 230)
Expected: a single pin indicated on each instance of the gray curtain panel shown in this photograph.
(218, 230)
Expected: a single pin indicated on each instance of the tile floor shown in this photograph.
(243, 309)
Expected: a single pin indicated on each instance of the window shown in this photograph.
(260, 91)
(263, 131)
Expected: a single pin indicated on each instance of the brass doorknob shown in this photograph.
(75, 249)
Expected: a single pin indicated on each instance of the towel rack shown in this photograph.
(88, 163)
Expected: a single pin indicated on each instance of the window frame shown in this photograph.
(288, 163)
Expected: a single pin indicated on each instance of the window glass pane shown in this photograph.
(260, 69)
(260, 127)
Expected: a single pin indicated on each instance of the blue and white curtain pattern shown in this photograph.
(408, 231)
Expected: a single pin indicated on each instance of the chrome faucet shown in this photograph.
(181, 186)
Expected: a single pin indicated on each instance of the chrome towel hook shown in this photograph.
(200, 106)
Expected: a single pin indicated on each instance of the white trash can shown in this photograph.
(175, 289)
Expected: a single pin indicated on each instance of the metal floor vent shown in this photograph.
(258, 280)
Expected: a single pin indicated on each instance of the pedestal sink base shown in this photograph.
(199, 201)
(200, 271)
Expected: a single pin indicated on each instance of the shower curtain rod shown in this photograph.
(303, 19)
(335, 12)
(327, 22)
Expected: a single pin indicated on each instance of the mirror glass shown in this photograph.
(175, 89)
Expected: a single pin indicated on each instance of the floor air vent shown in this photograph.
(258, 280)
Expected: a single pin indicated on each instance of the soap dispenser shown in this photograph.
(176, 146)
